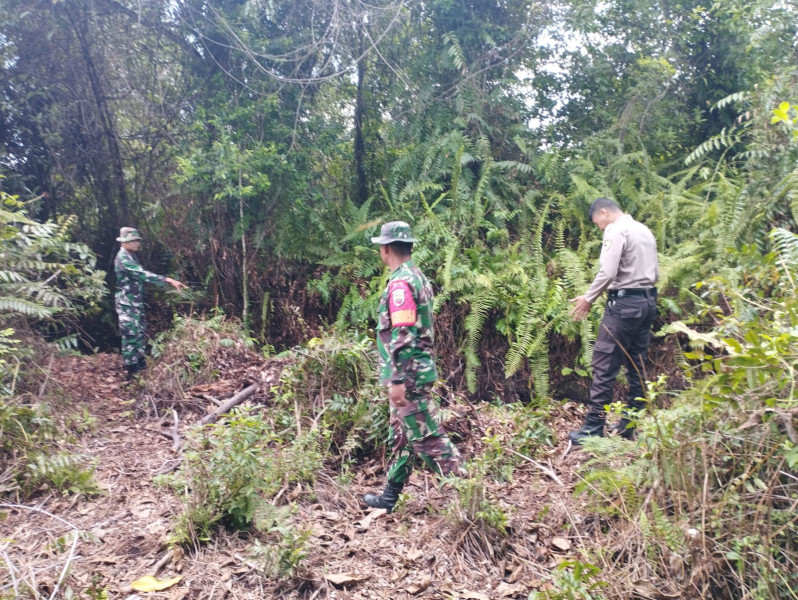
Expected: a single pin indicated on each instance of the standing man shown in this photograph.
(628, 269)
(130, 279)
(407, 367)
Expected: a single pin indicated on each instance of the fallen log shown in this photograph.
(225, 407)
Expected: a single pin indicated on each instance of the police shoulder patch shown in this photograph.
(401, 304)
(607, 244)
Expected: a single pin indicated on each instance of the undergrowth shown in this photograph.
(193, 352)
(234, 469)
(707, 498)
(32, 457)
(331, 387)
(236, 472)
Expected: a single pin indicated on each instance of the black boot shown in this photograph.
(134, 370)
(388, 498)
(593, 427)
(626, 429)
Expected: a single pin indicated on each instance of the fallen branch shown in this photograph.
(234, 401)
(212, 399)
(544, 469)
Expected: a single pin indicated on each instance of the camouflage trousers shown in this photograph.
(134, 339)
(415, 430)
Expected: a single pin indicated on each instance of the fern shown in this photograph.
(482, 301)
(65, 472)
(785, 244)
(44, 274)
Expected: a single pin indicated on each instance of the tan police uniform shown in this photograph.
(628, 270)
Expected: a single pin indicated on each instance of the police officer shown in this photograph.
(130, 279)
(628, 270)
(407, 367)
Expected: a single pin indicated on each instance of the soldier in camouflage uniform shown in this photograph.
(130, 279)
(407, 367)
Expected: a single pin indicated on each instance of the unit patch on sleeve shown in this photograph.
(401, 304)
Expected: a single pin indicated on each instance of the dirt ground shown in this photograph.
(94, 547)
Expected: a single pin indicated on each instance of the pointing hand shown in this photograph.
(176, 284)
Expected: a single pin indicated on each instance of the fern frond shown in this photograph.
(454, 51)
(25, 307)
(482, 301)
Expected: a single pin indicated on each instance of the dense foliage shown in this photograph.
(46, 282)
(259, 144)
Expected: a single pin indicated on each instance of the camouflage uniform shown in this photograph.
(404, 341)
(130, 279)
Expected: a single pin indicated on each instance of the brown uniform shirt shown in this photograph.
(628, 258)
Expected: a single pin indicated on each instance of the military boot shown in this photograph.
(593, 427)
(626, 429)
(388, 498)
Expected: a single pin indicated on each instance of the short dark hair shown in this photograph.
(600, 203)
(401, 248)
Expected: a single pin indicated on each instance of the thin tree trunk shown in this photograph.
(244, 262)
(122, 210)
(362, 191)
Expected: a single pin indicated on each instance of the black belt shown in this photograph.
(645, 292)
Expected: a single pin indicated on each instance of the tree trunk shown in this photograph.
(361, 191)
(120, 210)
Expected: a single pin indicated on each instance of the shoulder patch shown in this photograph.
(401, 304)
(606, 245)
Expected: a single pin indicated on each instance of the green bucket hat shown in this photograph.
(395, 231)
(128, 234)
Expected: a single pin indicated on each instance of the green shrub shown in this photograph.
(284, 548)
(193, 351)
(332, 385)
(573, 580)
(232, 469)
(473, 507)
(68, 473)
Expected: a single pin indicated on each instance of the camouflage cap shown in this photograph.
(128, 234)
(395, 231)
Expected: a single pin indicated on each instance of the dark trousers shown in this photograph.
(622, 339)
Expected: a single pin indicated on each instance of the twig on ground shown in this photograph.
(11, 573)
(280, 493)
(66, 566)
(162, 563)
(567, 449)
(476, 415)
(39, 510)
(210, 398)
(168, 469)
(542, 468)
